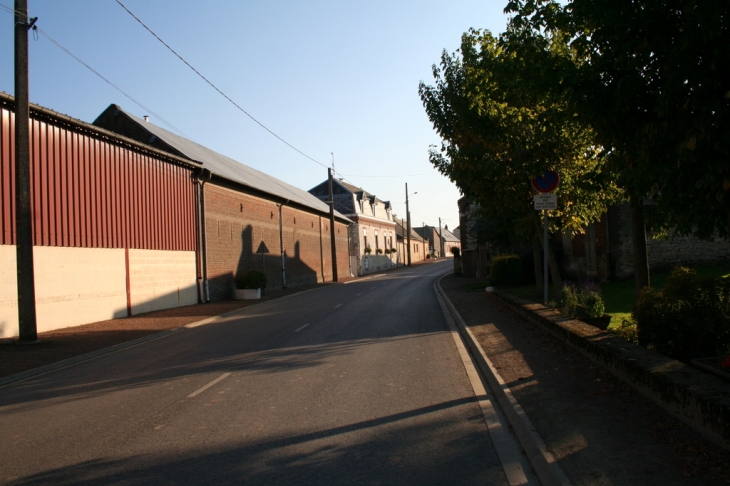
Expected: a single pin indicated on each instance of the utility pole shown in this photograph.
(408, 230)
(28, 331)
(332, 224)
(441, 239)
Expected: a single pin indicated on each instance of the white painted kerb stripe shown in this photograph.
(305, 325)
(205, 387)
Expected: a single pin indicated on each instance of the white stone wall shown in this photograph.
(161, 279)
(77, 286)
(72, 285)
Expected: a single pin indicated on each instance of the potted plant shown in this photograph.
(378, 251)
(250, 285)
(367, 250)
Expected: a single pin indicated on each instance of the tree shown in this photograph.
(500, 126)
(655, 88)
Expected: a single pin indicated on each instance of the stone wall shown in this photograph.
(669, 252)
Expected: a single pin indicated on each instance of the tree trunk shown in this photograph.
(638, 236)
(537, 258)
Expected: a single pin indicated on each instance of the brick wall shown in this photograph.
(239, 225)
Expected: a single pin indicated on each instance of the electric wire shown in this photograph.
(111, 84)
(60, 46)
(216, 88)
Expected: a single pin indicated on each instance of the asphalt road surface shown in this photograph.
(359, 383)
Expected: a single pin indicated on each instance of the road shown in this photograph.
(358, 383)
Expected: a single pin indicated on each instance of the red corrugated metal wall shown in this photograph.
(88, 192)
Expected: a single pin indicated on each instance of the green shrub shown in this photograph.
(627, 330)
(505, 270)
(687, 319)
(569, 299)
(253, 279)
(581, 300)
(455, 251)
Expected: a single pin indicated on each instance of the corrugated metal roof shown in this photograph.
(228, 168)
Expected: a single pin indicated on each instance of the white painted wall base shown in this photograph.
(77, 286)
(161, 279)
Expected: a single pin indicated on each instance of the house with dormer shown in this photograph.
(372, 236)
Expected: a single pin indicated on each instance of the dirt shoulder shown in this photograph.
(74, 341)
(599, 429)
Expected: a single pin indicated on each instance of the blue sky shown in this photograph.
(326, 76)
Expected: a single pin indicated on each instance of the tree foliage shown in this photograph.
(501, 125)
(654, 85)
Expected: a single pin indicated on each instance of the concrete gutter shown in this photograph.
(699, 399)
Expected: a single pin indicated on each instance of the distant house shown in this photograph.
(418, 245)
(431, 235)
(449, 240)
(252, 220)
(373, 228)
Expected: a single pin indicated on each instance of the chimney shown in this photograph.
(147, 118)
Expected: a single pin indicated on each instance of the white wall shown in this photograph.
(161, 279)
(77, 286)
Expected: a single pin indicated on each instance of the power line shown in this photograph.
(216, 88)
(60, 46)
(389, 176)
(110, 83)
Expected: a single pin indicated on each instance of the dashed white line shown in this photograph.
(338, 305)
(205, 387)
(297, 330)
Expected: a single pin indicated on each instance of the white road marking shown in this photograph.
(205, 387)
(338, 305)
(364, 278)
(305, 325)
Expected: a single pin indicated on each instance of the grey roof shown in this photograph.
(228, 168)
(448, 235)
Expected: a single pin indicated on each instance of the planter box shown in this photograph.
(248, 294)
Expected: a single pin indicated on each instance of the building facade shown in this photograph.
(372, 237)
(252, 221)
(113, 224)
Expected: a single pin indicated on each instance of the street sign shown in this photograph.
(545, 201)
(547, 182)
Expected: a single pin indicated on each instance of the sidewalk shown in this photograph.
(599, 429)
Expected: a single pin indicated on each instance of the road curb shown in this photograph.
(24, 375)
(543, 462)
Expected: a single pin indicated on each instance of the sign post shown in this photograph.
(545, 201)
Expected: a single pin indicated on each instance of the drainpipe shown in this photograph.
(202, 176)
(281, 244)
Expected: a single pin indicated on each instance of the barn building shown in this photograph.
(117, 221)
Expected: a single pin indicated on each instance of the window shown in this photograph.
(377, 245)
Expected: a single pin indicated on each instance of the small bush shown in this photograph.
(582, 298)
(455, 251)
(627, 330)
(687, 319)
(368, 250)
(505, 270)
(253, 279)
(428, 255)
(378, 251)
